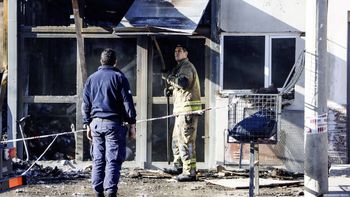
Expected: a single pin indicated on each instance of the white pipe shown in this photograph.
(12, 72)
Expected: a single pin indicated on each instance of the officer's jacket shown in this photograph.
(186, 91)
(107, 95)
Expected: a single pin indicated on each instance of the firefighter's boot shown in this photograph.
(186, 178)
(173, 170)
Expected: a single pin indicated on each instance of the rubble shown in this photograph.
(51, 171)
(72, 178)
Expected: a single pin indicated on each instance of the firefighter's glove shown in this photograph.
(168, 92)
(170, 79)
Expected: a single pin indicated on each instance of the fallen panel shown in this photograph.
(244, 183)
(171, 15)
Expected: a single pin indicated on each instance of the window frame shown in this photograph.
(268, 59)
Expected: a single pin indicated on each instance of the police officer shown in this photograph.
(107, 103)
(184, 85)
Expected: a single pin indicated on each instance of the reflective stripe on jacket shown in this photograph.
(186, 99)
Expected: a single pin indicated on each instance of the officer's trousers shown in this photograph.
(184, 143)
(108, 154)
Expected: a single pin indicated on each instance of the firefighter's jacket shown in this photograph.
(185, 84)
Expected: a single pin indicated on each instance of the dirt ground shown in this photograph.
(53, 181)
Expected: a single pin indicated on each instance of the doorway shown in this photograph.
(158, 102)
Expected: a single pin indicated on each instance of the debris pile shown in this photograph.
(64, 146)
(141, 173)
(53, 171)
(219, 173)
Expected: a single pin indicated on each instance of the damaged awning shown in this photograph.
(147, 16)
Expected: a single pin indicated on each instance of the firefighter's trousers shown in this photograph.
(183, 143)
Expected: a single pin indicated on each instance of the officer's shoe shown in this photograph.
(99, 194)
(114, 194)
(173, 170)
(186, 178)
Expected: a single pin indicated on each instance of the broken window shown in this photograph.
(105, 12)
(59, 12)
(126, 56)
(51, 119)
(45, 12)
(51, 64)
(251, 62)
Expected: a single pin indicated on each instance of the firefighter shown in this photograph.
(184, 86)
(107, 103)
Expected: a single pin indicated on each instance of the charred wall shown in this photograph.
(45, 12)
(58, 13)
(1, 30)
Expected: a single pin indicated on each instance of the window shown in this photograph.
(51, 65)
(251, 62)
(282, 59)
(45, 13)
(51, 118)
(126, 56)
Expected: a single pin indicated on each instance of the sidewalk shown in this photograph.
(339, 181)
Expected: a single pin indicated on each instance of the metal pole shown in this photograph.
(168, 142)
(164, 70)
(256, 169)
(240, 155)
(12, 84)
(251, 171)
(316, 137)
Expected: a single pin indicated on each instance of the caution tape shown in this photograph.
(47, 148)
(42, 136)
(199, 112)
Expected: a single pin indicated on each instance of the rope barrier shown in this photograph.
(138, 121)
(200, 112)
(25, 172)
(42, 136)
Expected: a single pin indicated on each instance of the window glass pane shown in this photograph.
(159, 135)
(105, 12)
(196, 54)
(283, 58)
(244, 59)
(51, 65)
(126, 56)
(51, 119)
(45, 13)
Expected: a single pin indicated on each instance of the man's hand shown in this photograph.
(132, 132)
(168, 92)
(170, 79)
(88, 132)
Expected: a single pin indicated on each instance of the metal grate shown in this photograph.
(254, 118)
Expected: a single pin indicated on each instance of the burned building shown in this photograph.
(236, 46)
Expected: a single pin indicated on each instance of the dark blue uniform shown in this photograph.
(107, 103)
